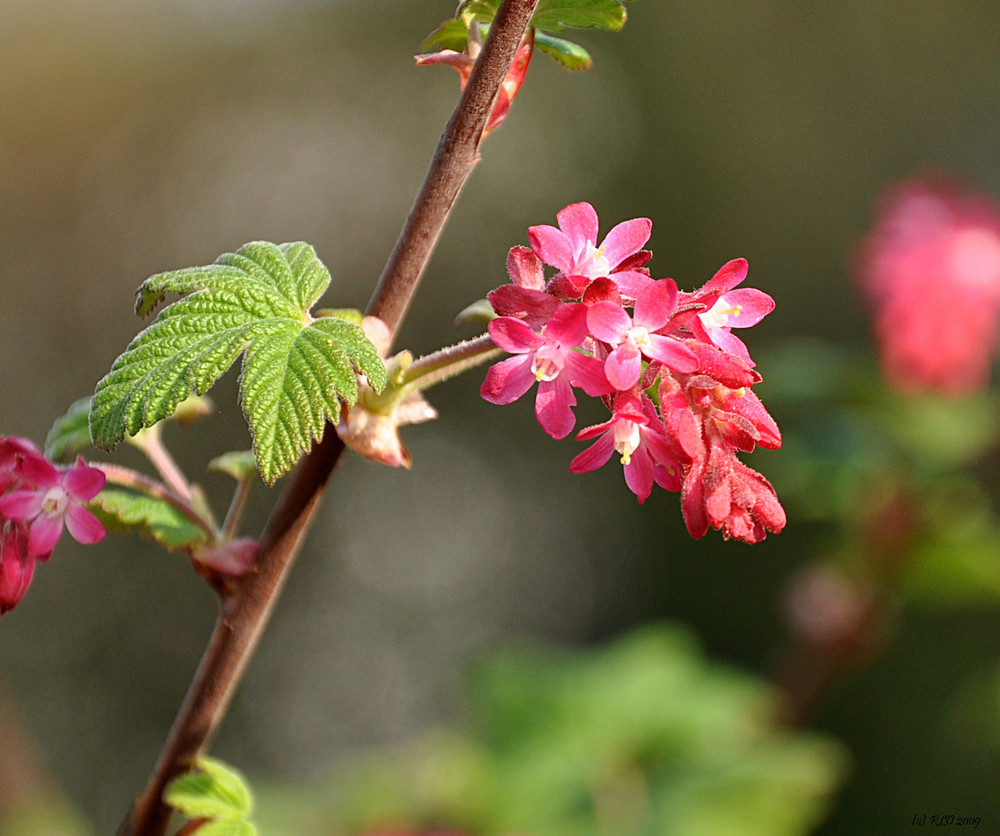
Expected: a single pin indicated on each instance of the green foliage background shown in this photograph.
(144, 137)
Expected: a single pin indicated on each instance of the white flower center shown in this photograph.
(55, 501)
(547, 363)
(626, 436)
(637, 337)
(592, 262)
(718, 315)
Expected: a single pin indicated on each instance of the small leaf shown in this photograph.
(151, 517)
(556, 15)
(240, 465)
(452, 34)
(193, 409)
(479, 313)
(227, 827)
(213, 790)
(254, 302)
(482, 10)
(572, 56)
(348, 314)
(70, 434)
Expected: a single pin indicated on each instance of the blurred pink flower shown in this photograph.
(17, 566)
(931, 267)
(55, 498)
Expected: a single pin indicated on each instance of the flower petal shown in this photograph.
(83, 526)
(507, 380)
(43, 534)
(754, 306)
(626, 239)
(728, 276)
(608, 322)
(533, 307)
(568, 325)
(552, 246)
(594, 456)
(655, 304)
(525, 269)
(40, 472)
(21, 505)
(631, 282)
(553, 407)
(623, 367)
(513, 336)
(588, 373)
(639, 475)
(672, 353)
(579, 222)
(83, 482)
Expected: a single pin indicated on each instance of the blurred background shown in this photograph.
(140, 137)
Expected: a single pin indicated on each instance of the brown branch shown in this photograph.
(457, 154)
(246, 611)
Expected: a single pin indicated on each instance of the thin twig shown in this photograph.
(457, 154)
(246, 611)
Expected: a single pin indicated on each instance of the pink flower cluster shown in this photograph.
(36, 500)
(666, 363)
(931, 267)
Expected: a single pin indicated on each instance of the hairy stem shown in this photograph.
(245, 612)
(235, 512)
(150, 442)
(446, 363)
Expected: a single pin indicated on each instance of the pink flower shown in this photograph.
(548, 359)
(931, 268)
(13, 452)
(525, 298)
(635, 337)
(573, 249)
(726, 308)
(56, 497)
(636, 434)
(17, 565)
(737, 416)
(722, 492)
(627, 335)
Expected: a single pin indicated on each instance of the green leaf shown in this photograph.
(213, 790)
(254, 302)
(572, 56)
(556, 15)
(70, 434)
(238, 464)
(227, 827)
(151, 517)
(482, 10)
(452, 34)
(352, 315)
